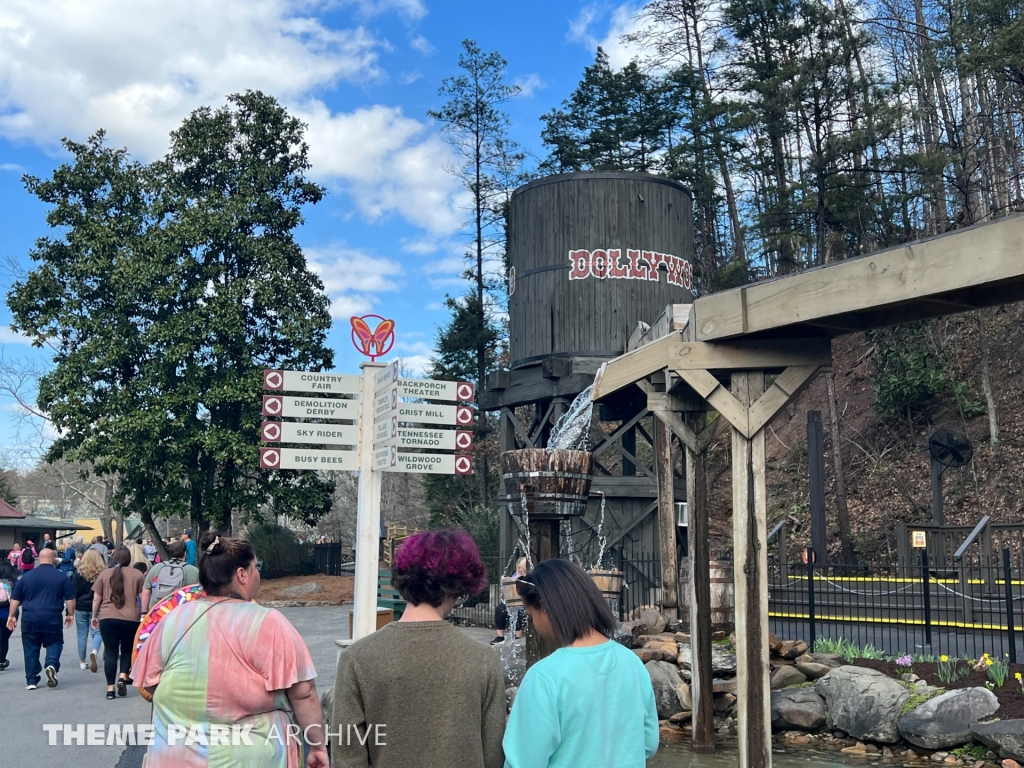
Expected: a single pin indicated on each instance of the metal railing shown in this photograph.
(922, 608)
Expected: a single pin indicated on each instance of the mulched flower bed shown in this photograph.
(1011, 699)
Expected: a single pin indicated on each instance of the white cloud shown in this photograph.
(421, 44)
(436, 306)
(621, 22)
(8, 336)
(353, 278)
(13, 167)
(530, 84)
(138, 68)
(416, 356)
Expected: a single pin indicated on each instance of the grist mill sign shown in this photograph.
(633, 264)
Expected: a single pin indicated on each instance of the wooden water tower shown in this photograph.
(592, 256)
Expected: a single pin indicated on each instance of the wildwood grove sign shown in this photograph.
(631, 264)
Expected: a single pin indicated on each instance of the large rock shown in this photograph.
(722, 662)
(812, 670)
(685, 697)
(670, 647)
(1003, 736)
(792, 648)
(774, 644)
(783, 677)
(309, 588)
(833, 660)
(945, 721)
(653, 654)
(864, 703)
(801, 708)
(666, 683)
(654, 621)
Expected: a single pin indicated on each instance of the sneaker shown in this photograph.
(122, 688)
(82, 665)
(498, 641)
(31, 687)
(92, 661)
(51, 677)
(111, 695)
(4, 664)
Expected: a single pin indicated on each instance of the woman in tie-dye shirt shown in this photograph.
(230, 679)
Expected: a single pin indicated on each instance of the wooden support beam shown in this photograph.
(718, 397)
(663, 463)
(700, 583)
(899, 281)
(750, 534)
(765, 354)
(782, 392)
(518, 427)
(543, 546)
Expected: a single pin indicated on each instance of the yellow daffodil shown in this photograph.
(943, 658)
(988, 662)
(1017, 675)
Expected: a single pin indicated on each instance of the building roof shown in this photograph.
(41, 523)
(7, 511)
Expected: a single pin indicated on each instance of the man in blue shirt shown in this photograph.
(43, 594)
(190, 547)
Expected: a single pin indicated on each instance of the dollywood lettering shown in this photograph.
(635, 264)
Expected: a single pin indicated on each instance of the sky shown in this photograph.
(361, 73)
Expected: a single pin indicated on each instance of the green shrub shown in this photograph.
(280, 551)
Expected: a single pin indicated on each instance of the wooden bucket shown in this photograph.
(509, 593)
(723, 596)
(555, 484)
(609, 582)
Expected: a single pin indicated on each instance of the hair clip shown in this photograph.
(209, 549)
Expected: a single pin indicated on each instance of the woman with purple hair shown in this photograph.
(419, 692)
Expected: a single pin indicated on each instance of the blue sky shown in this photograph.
(361, 73)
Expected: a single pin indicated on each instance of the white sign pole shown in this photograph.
(368, 514)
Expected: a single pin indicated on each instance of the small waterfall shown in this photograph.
(602, 539)
(572, 430)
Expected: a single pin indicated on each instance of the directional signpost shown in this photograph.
(386, 434)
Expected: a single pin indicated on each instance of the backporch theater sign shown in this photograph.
(364, 423)
(633, 264)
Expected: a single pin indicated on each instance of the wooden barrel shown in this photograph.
(509, 593)
(723, 596)
(609, 582)
(555, 484)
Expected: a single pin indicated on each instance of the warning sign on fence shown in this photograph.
(918, 539)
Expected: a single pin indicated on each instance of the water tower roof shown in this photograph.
(602, 175)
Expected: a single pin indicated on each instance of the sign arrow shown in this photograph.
(272, 405)
(270, 458)
(270, 431)
(463, 465)
(464, 415)
(273, 379)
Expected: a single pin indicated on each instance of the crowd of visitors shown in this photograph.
(208, 656)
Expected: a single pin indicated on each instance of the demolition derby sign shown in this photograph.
(634, 264)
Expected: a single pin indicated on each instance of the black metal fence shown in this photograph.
(641, 586)
(333, 559)
(918, 609)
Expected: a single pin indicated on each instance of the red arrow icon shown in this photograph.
(271, 431)
(272, 405)
(270, 458)
(464, 392)
(273, 379)
(463, 465)
(463, 415)
(463, 440)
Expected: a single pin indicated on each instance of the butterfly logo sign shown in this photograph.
(375, 342)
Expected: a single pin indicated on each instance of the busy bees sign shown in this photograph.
(631, 264)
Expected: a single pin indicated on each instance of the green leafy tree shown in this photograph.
(165, 290)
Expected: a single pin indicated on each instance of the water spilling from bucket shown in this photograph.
(572, 430)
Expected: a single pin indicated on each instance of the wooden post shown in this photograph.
(749, 509)
(364, 620)
(507, 538)
(816, 469)
(666, 520)
(543, 546)
(700, 593)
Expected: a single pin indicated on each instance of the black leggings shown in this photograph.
(501, 618)
(118, 638)
(5, 638)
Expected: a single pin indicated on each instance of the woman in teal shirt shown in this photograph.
(590, 703)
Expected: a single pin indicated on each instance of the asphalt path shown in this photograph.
(80, 696)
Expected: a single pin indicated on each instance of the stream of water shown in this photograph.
(572, 430)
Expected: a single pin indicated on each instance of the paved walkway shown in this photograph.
(79, 698)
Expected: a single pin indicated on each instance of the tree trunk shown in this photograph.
(986, 382)
(849, 556)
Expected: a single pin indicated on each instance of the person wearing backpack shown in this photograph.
(168, 577)
(92, 565)
(8, 576)
(27, 561)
